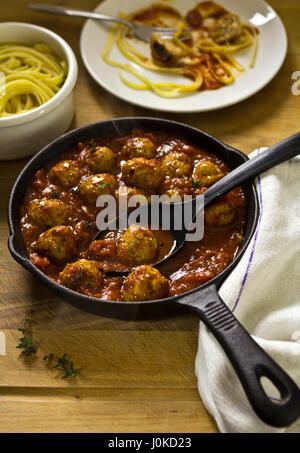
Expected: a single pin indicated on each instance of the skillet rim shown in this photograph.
(84, 302)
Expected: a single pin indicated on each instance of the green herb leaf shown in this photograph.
(26, 342)
(63, 362)
(88, 222)
(55, 193)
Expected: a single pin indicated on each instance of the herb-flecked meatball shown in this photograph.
(177, 186)
(137, 245)
(144, 283)
(101, 159)
(177, 165)
(220, 213)
(138, 147)
(65, 174)
(83, 276)
(58, 244)
(127, 192)
(48, 213)
(143, 173)
(207, 173)
(94, 186)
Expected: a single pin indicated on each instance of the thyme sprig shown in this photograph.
(26, 342)
(63, 362)
(29, 347)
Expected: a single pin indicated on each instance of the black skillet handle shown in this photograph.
(249, 360)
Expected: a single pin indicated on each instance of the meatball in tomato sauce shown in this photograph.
(59, 243)
(145, 174)
(83, 276)
(65, 174)
(144, 283)
(94, 186)
(48, 213)
(137, 245)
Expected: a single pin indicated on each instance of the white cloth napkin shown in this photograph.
(264, 293)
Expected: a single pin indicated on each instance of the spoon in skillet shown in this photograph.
(266, 160)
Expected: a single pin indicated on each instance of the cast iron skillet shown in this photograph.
(250, 362)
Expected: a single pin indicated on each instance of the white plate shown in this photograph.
(270, 57)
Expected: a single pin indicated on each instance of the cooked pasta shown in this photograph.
(31, 76)
(205, 56)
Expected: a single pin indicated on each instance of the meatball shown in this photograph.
(220, 213)
(58, 244)
(228, 28)
(177, 186)
(83, 276)
(143, 173)
(137, 245)
(145, 283)
(94, 186)
(206, 173)
(127, 192)
(164, 51)
(138, 147)
(177, 165)
(48, 213)
(65, 174)
(101, 159)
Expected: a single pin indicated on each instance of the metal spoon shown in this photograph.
(266, 160)
(140, 31)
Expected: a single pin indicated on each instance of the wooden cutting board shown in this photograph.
(134, 376)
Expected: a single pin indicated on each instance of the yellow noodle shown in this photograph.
(255, 44)
(227, 67)
(189, 50)
(32, 76)
(164, 89)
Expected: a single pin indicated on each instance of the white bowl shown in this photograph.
(24, 134)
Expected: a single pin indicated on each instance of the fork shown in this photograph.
(140, 31)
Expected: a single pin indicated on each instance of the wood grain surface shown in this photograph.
(134, 376)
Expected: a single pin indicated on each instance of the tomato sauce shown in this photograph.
(195, 264)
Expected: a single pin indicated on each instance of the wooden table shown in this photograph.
(134, 376)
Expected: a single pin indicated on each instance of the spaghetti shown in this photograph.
(205, 56)
(32, 75)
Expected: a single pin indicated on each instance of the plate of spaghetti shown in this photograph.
(220, 54)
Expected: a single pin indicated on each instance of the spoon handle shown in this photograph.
(66, 11)
(269, 158)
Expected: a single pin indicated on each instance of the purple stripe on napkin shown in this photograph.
(253, 244)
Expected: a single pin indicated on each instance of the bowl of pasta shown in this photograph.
(38, 72)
